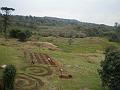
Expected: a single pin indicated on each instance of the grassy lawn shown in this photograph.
(81, 60)
(10, 55)
(84, 73)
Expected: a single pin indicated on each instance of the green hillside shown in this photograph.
(52, 26)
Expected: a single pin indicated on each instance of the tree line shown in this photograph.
(5, 23)
(60, 27)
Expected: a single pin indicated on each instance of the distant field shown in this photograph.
(80, 45)
(81, 60)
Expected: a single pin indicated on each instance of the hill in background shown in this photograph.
(52, 26)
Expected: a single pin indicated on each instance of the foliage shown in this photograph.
(9, 77)
(28, 33)
(14, 33)
(1, 24)
(6, 21)
(50, 26)
(110, 69)
(110, 49)
(118, 29)
(114, 37)
(22, 35)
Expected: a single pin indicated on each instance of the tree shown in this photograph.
(71, 37)
(28, 33)
(1, 23)
(9, 77)
(118, 30)
(114, 37)
(22, 36)
(14, 33)
(110, 69)
(116, 25)
(6, 14)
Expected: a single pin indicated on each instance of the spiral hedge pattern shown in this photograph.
(38, 70)
(30, 80)
(26, 82)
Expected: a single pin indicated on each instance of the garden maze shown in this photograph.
(39, 58)
(40, 66)
(26, 82)
(38, 70)
(30, 80)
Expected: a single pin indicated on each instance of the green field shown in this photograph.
(81, 60)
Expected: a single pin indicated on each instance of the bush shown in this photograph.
(114, 37)
(22, 36)
(110, 69)
(14, 33)
(28, 33)
(9, 77)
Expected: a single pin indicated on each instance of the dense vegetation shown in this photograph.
(9, 77)
(110, 69)
(19, 34)
(50, 26)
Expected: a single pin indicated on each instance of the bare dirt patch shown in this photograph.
(47, 45)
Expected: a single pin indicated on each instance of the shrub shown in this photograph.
(110, 69)
(14, 33)
(28, 33)
(114, 37)
(22, 36)
(9, 77)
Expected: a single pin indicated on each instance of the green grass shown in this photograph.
(80, 45)
(81, 60)
(10, 55)
(84, 73)
(85, 53)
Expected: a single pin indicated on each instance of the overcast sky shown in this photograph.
(94, 11)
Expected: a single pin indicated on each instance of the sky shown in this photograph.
(92, 11)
